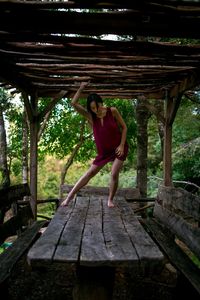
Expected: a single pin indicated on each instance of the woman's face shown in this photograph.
(94, 107)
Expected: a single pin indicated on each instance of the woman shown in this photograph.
(110, 137)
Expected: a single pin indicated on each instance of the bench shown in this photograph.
(175, 227)
(20, 224)
(96, 240)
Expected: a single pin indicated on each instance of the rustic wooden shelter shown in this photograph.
(48, 47)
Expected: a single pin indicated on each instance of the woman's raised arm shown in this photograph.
(79, 108)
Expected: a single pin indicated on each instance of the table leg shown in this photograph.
(94, 283)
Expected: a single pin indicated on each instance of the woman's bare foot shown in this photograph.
(110, 203)
(66, 201)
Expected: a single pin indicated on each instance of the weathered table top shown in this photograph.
(89, 233)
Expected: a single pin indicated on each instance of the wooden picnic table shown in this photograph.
(97, 239)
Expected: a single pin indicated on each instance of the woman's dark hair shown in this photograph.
(93, 98)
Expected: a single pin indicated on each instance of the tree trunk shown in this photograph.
(71, 158)
(5, 178)
(142, 116)
(67, 165)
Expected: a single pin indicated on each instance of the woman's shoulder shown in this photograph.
(113, 110)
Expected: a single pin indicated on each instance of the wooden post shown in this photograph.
(94, 283)
(142, 116)
(171, 108)
(168, 144)
(34, 155)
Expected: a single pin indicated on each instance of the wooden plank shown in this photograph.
(148, 252)
(93, 248)
(68, 248)
(177, 257)
(119, 246)
(43, 250)
(130, 193)
(178, 198)
(186, 232)
(11, 255)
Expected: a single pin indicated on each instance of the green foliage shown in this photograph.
(187, 123)
(196, 260)
(126, 178)
(154, 146)
(48, 178)
(186, 141)
(47, 210)
(16, 167)
(63, 133)
(5, 100)
(187, 160)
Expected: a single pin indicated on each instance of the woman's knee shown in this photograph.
(115, 175)
(91, 173)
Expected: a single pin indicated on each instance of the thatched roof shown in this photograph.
(37, 54)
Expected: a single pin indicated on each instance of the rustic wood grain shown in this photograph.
(93, 248)
(187, 232)
(89, 233)
(68, 248)
(116, 238)
(150, 256)
(44, 249)
(179, 259)
(11, 255)
(180, 199)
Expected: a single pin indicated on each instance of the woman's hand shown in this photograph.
(120, 150)
(79, 108)
(78, 93)
(83, 85)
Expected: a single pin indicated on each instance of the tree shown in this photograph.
(4, 104)
(186, 141)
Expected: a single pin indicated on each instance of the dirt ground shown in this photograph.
(27, 284)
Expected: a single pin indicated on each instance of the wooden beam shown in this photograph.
(154, 111)
(174, 109)
(188, 82)
(28, 107)
(131, 22)
(52, 104)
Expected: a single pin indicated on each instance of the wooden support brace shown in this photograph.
(94, 283)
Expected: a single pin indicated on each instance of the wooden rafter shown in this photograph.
(37, 54)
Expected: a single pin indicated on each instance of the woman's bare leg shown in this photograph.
(93, 170)
(116, 167)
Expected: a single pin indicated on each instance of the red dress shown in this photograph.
(107, 138)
